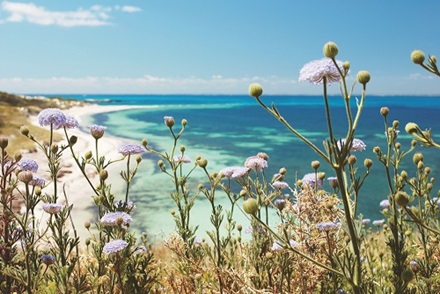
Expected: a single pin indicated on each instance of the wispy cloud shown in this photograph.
(145, 84)
(29, 12)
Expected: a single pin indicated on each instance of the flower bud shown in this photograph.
(24, 130)
(203, 162)
(54, 148)
(184, 122)
(144, 142)
(321, 175)
(280, 204)
(330, 50)
(315, 164)
(402, 199)
(411, 128)
(88, 155)
(407, 275)
(250, 206)
(404, 175)
(87, 241)
(363, 77)
(368, 163)
(25, 176)
(417, 158)
(346, 65)
(418, 57)
(87, 225)
(73, 140)
(420, 165)
(243, 193)
(182, 148)
(103, 175)
(377, 150)
(283, 171)
(169, 121)
(351, 159)
(4, 142)
(17, 157)
(384, 111)
(239, 228)
(255, 90)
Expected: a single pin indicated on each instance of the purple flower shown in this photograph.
(280, 203)
(255, 162)
(310, 180)
(97, 131)
(378, 222)
(181, 158)
(37, 181)
(233, 172)
(384, 204)
(357, 144)
(327, 226)
(315, 71)
(52, 117)
(71, 122)
(366, 221)
(114, 246)
(115, 218)
(131, 149)
(48, 259)
(52, 208)
(28, 164)
(280, 185)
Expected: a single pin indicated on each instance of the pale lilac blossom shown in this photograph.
(256, 163)
(52, 117)
(310, 180)
(114, 246)
(97, 131)
(111, 218)
(52, 208)
(280, 185)
(28, 164)
(47, 259)
(37, 181)
(315, 71)
(327, 226)
(379, 222)
(71, 122)
(357, 144)
(131, 149)
(385, 204)
(366, 221)
(181, 158)
(233, 172)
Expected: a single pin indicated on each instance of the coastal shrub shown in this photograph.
(304, 234)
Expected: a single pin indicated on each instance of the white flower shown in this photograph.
(316, 70)
(114, 246)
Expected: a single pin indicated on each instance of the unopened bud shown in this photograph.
(88, 155)
(144, 142)
(411, 128)
(73, 140)
(283, 171)
(24, 130)
(4, 142)
(169, 121)
(54, 148)
(363, 77)
(368, 163)
(25, 176)
(346, 65)
(203, 162)
(384, 111)
(103, 175)
(402, 199)
(418, 57)
(255, 90)
(330, 50)
(407, 275)
(352, 160)
(315, 164)
(87, 225)
(182, 148)
(184, 122)
(250, 206)
(417, 157)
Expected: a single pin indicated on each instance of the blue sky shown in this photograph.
(211, 46)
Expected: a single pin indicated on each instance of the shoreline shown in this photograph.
(72, 182)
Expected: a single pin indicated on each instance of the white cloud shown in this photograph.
(146, 84)
(96, 15)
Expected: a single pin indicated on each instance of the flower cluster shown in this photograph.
(131, 149)
(318, 70)
(115, 218)
(114, 246)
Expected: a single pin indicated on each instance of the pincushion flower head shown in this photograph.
(256, 163)
(53, 117)
(131, 149)
(310, 180)
(327, 226)
(48, 259)
(280, 185)
(71, 122)
(52, 208)
(115, 218)
(114, 246)
(181, 158)
(37, 181)
(233, 172)
(315, 71)
(357, 144)
(97, 131)
(28, 164)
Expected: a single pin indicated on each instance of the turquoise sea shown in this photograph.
(228, 129)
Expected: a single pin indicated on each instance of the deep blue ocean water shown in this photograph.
(228, 129)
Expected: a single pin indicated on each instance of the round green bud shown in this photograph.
(169, 121)
(376, 149)
(427, 170)
(433, 59)
(395, 123)
(418, 57)
(87, 225)
(402, 199)
(87, 242)
(243, 193)
(18, 156)
(404, 175)
(384, 111)
(407, 275)
(363, 77)
(321, 175)
(346, 65)
(283, 171)
(184, 122)
(330, 50)
(4, 141)
(54, 148)
(73, 140)
(24, 130)
(37, 191)
(172, 212)
(368, 163)
(182, 148)
(144, 142)
(203, 162)
(420, 165)
(239, 228)
(411, 128)
(88, 155)
(255, 90)
(103, 175)
(200, 187)
(417, 157)
(315, 164)
(250, 206)
(351, 159)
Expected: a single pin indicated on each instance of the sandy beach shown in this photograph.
(78, 191)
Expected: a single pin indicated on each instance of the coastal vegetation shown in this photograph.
(322, 244)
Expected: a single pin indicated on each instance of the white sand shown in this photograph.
(78, 191)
